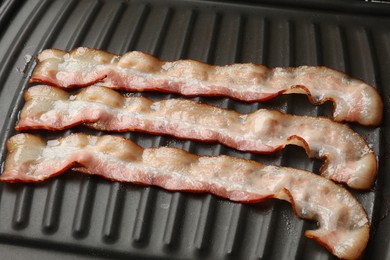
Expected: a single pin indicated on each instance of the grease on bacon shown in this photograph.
(349, 159)
(354, 100)
(343, 224)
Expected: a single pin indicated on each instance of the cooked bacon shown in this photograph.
(348, 157)
(343, 224)
(354, 100)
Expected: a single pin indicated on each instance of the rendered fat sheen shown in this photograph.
(354, 100)
(343, 224)
(348, 157)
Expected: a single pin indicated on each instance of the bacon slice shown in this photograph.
(343, 224)
(354, 100)
(348, 157)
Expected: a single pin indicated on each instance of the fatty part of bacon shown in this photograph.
(348, 157)
(343, 224)
(354, 100)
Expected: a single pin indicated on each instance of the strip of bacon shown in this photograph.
(343, 224)
(348, 157)
(354, 100)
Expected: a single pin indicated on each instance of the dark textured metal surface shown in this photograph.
(77, 216)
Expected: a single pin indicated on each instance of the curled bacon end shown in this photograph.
(349, 159)
(354, 100)
(343, 224)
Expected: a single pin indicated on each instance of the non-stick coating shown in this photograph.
(82, 217)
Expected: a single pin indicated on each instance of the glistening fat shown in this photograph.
(349, 159)
(354, 100)
(343, 224)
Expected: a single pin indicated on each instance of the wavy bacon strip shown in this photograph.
(343, 224)
(354, 100)
(348, 157)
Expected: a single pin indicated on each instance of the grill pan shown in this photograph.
(75, 216)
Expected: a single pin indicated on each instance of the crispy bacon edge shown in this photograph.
(137, 71)
(355, 164)
(344, 232)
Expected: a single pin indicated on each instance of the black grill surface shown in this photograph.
(76, 216)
